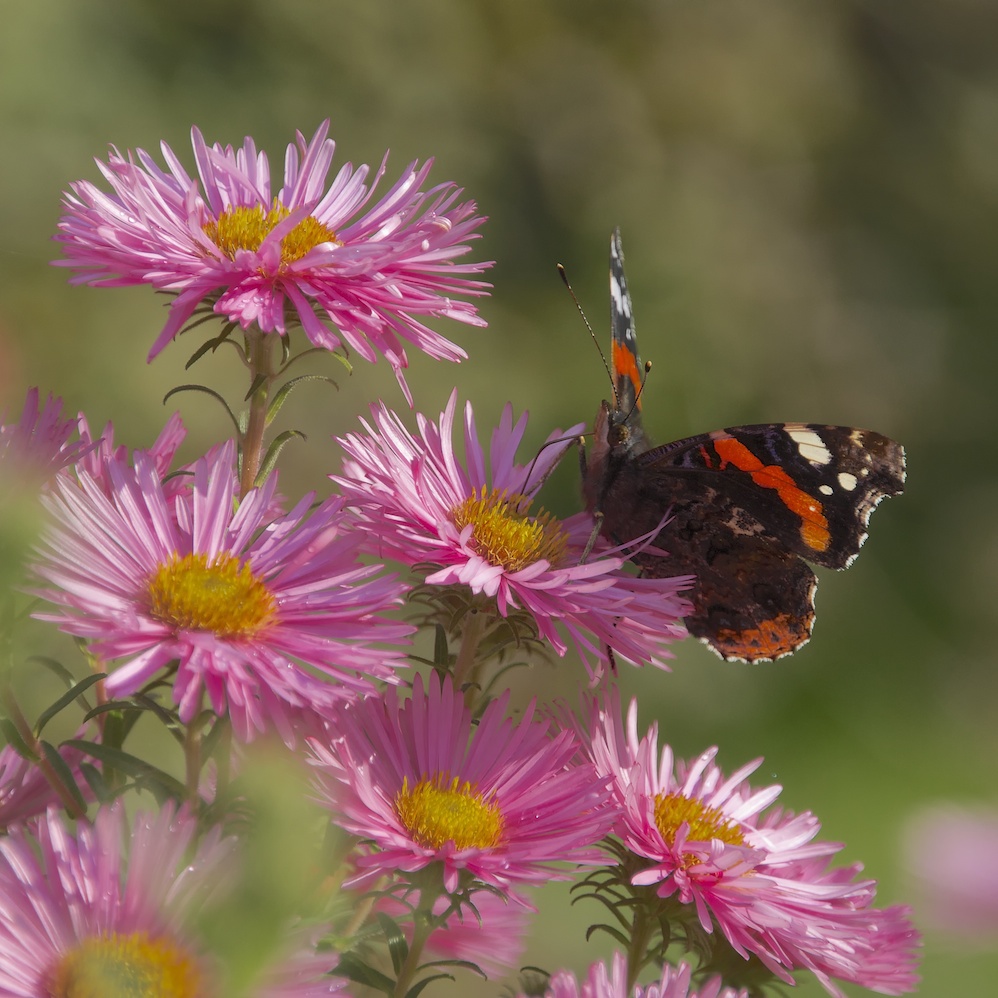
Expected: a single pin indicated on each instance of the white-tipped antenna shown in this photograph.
(606, 366)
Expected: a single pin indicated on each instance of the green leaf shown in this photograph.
(299, 356)
(213, 344)
(354, 969)
(285, 390)
(441, 649)
(273, 452)
(55, 666)
(207, 391)
(420, 986)
(130, 764)
(259, 381)
(169, 719)
(95, 780)
(464, 964)
(66, 699)
(64, 773)
(14, 739)
(398, 948)
(609, 930)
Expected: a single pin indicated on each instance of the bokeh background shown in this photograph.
(809, 199)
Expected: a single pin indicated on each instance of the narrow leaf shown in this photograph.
(54, 666)
(207, 391)
(258, 382)
(64, 773)
(397, 945)
(14, 739)
(418, 988)
(353, 968)
(129, 764)
(66, 699)
(95, 780)
(441, 651)
(465, 964)
(213, 344)
(285, 390)
(274, 452)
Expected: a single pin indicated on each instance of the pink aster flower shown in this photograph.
(952, 852)
(762, 879)
(83, 905)
(103, 452)
(254, 253)
(604, 982)
(505, 801)
(38, 444)
(422, 504)
(116, 901)
(261, 616)
(162, 453)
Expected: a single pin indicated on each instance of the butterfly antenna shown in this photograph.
(636, 404)
(533, 464)
(606, 366)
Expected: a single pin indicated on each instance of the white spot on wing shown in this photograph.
(825, 490)
(620, 303)
(811, 446)
(847, 481)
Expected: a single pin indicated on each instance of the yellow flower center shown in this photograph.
(503, 533)
(440, 810)
(246, 228)
(191, 594)
(125, 966)
(706, 823)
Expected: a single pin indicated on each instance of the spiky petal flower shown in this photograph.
(261, 616)
(421, 503)
(761, 878)
(110, 910)
(84, 905)
(102, 453)
(503, 801)
(604, 982)
(36, 446)
(257, 254)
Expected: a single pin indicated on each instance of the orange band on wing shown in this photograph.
(626, 363)
(814, 526)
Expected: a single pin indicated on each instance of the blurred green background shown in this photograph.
(808, 193)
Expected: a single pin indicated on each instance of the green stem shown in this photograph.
(424, 925)
(464, 665)
(192, 759)
(260, 361)
(637, 951)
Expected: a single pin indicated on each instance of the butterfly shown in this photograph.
(743, 510)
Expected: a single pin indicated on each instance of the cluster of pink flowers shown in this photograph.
(205, 599)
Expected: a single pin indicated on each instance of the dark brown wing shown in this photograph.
(747, 504)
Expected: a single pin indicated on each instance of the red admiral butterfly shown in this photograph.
(748, 506)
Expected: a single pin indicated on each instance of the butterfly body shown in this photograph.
(744, 508)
